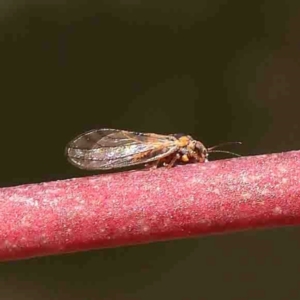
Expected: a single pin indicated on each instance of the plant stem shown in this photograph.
(146, 206)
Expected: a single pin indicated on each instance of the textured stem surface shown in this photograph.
(147, 206)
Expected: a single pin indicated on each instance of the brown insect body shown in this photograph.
(189, 150)
(105, 149)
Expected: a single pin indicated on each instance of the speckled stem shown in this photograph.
(147, 206)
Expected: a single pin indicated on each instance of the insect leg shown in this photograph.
(173, 160)
(153, 165)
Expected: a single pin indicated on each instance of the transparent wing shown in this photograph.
(105, 149)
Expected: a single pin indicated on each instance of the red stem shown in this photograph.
(147, 206)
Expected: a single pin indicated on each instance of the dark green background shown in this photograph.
(218, 70)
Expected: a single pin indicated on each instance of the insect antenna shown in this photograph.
(212, 149)
(223, 144)
(223, 151)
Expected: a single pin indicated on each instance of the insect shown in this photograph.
(105, 149)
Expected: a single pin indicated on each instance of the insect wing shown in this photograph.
(111, 148)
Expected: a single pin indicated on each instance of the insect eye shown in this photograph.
(201, 149)
(199, 146)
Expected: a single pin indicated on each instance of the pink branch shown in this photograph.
(147, 206)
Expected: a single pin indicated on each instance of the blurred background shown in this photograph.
(218, 70)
